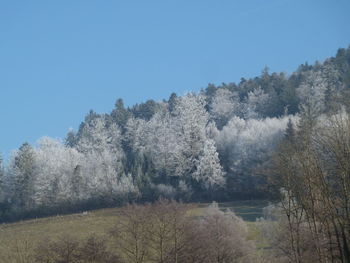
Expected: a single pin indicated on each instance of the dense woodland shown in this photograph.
(217, 144)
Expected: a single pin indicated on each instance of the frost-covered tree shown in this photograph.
(245, 145)
(22, 177)
(225, 104)
(321, 86)
(100, 142)
(256, 104)
(58, 177)
(175, 146)
(163, 145)
(2, 175)
(190, 123)
(98, 135)
(105, 179)
(71, 138)
(209, 172)
(135, 132)
(211, 130)
(135, 145)
(65, 175)
(188, 144)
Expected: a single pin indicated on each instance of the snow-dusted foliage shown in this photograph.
(244, 139)
(177, 144)
(98, 136)
(20, 179)
(198, 155)
(209, 171)
(163, 145)
(135, 134)
(213, 143)
(106, 178)
(57, 176)
(100, 141)
(244, 145)
(191, 120)
(225, 105)
(320, 86)
(256, 103)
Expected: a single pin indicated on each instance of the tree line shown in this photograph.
(214, 144)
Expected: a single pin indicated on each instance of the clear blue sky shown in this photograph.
(59, 59)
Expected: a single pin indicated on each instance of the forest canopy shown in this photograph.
(214, 144)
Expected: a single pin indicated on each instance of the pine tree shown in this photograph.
(290, 131)
(71, 139)
(120, 115)
(2, 173)
(23, 169)
(309, 113)
(172, 102)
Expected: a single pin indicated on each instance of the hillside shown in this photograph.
(19, 242)
(213, 145)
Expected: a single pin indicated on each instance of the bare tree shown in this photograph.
(225, 237)
(314, 172)
(131, 235)
(95, 250)
(17, 250)
(63, 250)
(167, 232)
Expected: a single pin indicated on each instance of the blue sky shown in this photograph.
(59, 59)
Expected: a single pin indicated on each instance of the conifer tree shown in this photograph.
(23, 172)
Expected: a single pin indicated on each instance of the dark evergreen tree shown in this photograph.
(289, 98)
(23, 177)
(172, 102)
(290, 131)
(2, 173)
(120, 115)
(71, 139)
(145, 110)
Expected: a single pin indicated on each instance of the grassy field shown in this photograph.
(24, 236)
(20, 238)
(249, 210)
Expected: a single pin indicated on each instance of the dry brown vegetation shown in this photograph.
(313, 169)
(163, 232)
